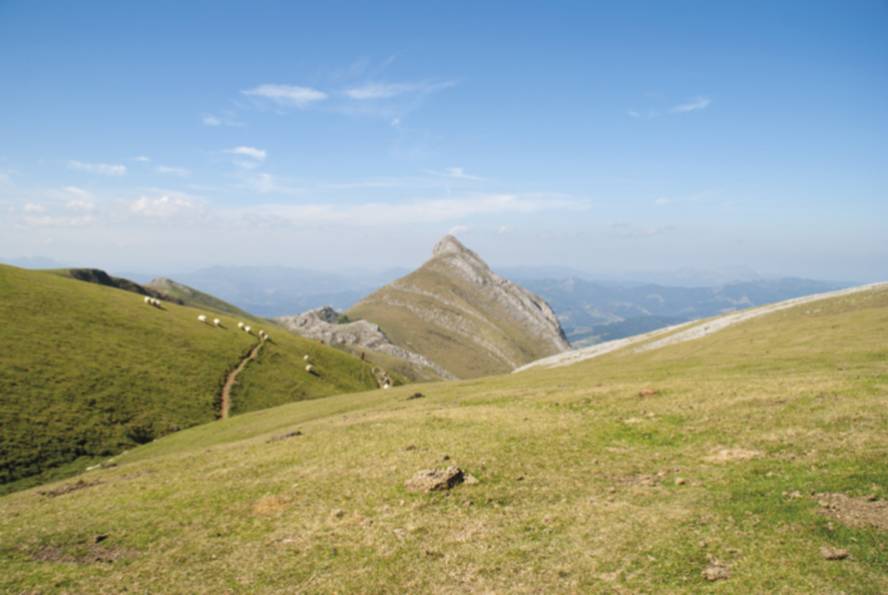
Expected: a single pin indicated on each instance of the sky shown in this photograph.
(606, 137)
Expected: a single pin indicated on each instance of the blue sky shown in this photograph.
(165, 136)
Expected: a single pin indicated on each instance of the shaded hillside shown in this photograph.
(88, 370)
(192, 297)
(100, 277)
(462, 316)
(739, 463)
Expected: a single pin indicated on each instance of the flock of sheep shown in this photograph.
(264, 336)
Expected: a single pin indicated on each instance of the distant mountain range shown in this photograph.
(591, 312)
(590, 308)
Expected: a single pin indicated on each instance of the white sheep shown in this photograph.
(248, 329)
(240, 325)
(310, 369)
(305, 357)
(155, 302)
(217, 322)
(202, 318)
(147, 300)
(386, 386)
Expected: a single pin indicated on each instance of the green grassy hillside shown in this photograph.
(740, 455)
(88, 370)
(193, 297)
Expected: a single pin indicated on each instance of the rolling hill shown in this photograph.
(192, 297)
(746, 460)
(87, 370)
(463, 317)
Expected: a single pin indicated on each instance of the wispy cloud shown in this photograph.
(168, 170)
(692, 105)
(32, 207)
(408, 212)
(59, 221)
(222, 119)
(251, 152)
(286, 95)
(142, 158)
(643, 114)
(162, 206)
(105, 169)
(379, 90)
(454, 173)
(81, 200)
(630, 231)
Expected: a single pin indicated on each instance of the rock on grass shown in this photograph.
(716, 571)
(833, 553)
(435, 480)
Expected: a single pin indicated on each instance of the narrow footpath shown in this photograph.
(231, 379)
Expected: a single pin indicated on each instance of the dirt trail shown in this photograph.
(231, 379)
(687, 331)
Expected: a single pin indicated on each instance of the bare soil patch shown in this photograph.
(859, 512)
(270, 505)
(729, 455)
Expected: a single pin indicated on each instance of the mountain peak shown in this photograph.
(448, 245)
(460, 315)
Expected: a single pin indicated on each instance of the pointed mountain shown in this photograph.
(456, 312)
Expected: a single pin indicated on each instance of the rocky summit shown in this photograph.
(456, 312)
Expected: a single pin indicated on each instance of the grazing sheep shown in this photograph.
(240, 325)
(217, 322)
(386, 386)
(248, 329)
(147, 300)
(310, 369)
(202, 318)
(305, 357)
(157, 302)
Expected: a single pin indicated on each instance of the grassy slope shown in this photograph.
(194, 297)
(439, 342)
(564, 458)
(86, 370)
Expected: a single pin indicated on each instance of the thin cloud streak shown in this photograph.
(286, 95)
(376, 90)
(104, 169)
(693, 105)
(382, 214)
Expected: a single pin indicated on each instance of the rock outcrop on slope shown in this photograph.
(327, 325)
(456, 312)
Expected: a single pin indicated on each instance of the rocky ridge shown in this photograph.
(327, 325)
